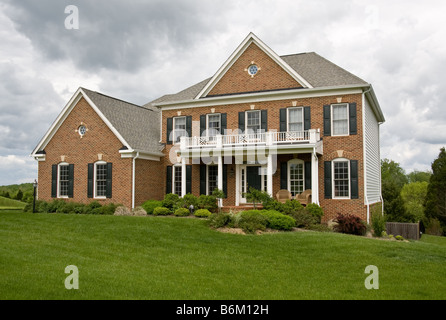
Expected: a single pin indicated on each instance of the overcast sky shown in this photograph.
(139, 50)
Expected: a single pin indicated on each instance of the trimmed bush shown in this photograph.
(349, 224)
(207, 202)
(304, 219)
(378, 223)
(149, 205)
(278, 221)
(291, 206)
(171, 201)
(188, 200)
(315, 210)
(161, 211)
(182, 212)
(202, 213)
(252, 220)
(219, 220)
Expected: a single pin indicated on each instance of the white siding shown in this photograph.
(372, 155)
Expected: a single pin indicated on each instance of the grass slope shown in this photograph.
(8, 204)
(181, 258)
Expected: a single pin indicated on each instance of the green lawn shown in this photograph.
(181, 258)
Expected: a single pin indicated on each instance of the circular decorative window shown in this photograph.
(252, 69)
(82, 130)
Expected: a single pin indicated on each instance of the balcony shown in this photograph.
(271, 139)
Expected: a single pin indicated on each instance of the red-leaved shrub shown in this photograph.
(350, 224)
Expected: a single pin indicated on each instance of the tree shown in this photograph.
(414, 196)
(393, 178)
(435, 205)
(19, 195)
(419, 176)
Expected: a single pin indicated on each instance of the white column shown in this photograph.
(220, 172)
(237, 184)
(183, 177)
(269, 175)
(314, 178)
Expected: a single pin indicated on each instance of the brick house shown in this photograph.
(295, 122)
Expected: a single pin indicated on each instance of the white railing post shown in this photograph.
(219, 138)
(312, 135)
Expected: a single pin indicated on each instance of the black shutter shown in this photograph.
(168, 179)
(307, 118)
(241, 121)
(90, 180)
(307, 175)
(354, 192)
(70, 180)
(108, 191)
(188, 178)
(284, 175)
(352, 118)
(189, 126)
(327, 179)
(169, 130)
(224, 125)
(225, 180)
(327, 121)
(203, 179)
(202, 124)
(283, 126)
(264, 120)
(54, 181)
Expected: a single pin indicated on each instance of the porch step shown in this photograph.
(241, 208)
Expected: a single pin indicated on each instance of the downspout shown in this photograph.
(133, 179)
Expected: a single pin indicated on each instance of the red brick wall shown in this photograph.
(99, 139)
(270, 76)
(148, 179)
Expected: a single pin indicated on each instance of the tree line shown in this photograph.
(22, 192)
(417, 196)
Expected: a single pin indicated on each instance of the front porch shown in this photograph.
(267, 161)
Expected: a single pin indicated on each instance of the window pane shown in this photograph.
(340, 120)
(213, 125)
(101, 180)
(341, 179)
(180, 128)
(212, 178)
(296, 178)
(295, 119)
(253, 121)
(63, 180)
(177, 180)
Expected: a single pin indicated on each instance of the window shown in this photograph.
(339, 119)
(341, 179)
(212, 179)
(101, 179)
(214, 124)
(295, 119)
(63, 180)
(177, 180)
(253, 121)
(179, 128)
(296, 176)
(252, 69)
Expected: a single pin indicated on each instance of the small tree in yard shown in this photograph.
(255, 196)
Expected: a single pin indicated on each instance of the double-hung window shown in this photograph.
(179, 128)
(296, 176)
(341, 179)
(253, 123)
(214, 125)
(100, 179)
(339, 116)
(64, 178)
(177, 175)
(295, 119)
(212, 181)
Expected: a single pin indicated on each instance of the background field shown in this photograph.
(10, 204)
(181, 258)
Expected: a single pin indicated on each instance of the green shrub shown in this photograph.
(219, 220)
(161, 211)
(304, 219)
(350, 224)
(315, 210)
(378, 223)
(277, 220)
(149, 205)
(272, 204)
(252, 220)
(202, 213)
(182, 212)
(188, 200)
(398, 237)
(207, 202)
(171, 201)
(291, 206)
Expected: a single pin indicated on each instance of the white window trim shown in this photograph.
(288, 117)
(295, 161)
(65, 164)
(246, 120)
(207, 123)
(95, 190)
(174, 135)
(331, 120)
(333, 178)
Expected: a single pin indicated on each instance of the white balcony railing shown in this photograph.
(268, 138)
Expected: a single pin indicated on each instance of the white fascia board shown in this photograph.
(263, 96)
(238, 52)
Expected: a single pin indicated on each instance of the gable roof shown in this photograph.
(135, 126)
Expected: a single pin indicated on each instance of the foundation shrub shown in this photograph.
(252, 220)
(172, 201)
(202, 213)
(161, 211)
(188, 200)
(139, 212)
(278, 221)
(304, 219)
(219, 220)
(182, 212)
(315, 210)
(291, 206)
(207, 202)
(122, 211)
(149, 205)
(350, 224)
